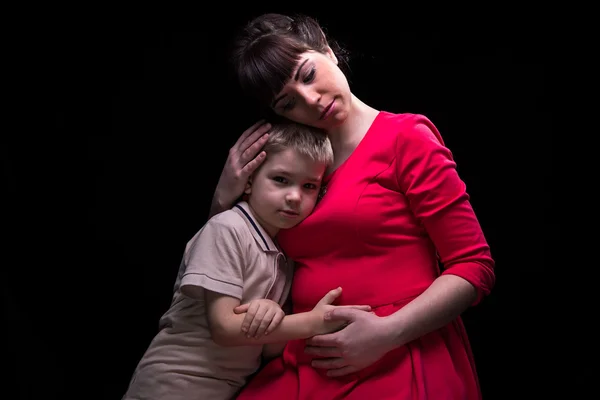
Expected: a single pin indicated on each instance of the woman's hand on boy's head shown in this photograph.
(243, 159)
(262, 317)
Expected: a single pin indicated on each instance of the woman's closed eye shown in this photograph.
(288, 106)
(307, 79)
(310, 76)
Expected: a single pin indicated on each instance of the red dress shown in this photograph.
(392, 212)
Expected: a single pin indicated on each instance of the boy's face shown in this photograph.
(284, 190)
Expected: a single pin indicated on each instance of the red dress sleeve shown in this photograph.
(426, 173)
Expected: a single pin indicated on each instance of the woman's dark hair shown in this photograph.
(266, 51)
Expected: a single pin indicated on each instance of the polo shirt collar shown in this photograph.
(260, 235)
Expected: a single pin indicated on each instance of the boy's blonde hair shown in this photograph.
(306, 140)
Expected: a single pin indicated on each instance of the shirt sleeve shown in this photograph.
(426, 173)
(214, 261)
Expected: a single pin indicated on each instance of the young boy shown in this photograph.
(205, 349)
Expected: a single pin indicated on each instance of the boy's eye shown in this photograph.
(280, 179)
(310, 186)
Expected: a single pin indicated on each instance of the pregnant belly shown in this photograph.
(361, 285)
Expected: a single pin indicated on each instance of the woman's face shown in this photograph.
(317, 93)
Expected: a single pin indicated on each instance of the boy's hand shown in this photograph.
(262, 316)
(323, 306)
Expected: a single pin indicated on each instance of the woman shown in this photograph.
(394, 209)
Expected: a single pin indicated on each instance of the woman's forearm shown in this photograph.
(220, 203)
(446, 298)
(216, 206)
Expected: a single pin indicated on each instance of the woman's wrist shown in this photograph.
(391, 331)
(218, 204)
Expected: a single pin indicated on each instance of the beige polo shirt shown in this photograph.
(232, 254)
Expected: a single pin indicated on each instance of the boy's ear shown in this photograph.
(248, 188)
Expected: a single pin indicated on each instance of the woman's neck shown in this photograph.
(346, 137)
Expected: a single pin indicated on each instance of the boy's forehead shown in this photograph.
(291, 162)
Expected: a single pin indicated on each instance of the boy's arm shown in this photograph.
(272, 350)
(226, 326)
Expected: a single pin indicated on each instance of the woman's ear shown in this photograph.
(329, 53)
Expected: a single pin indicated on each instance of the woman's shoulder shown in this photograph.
(406, 129)
(406, 120)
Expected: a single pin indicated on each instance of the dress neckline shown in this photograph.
(327, 179)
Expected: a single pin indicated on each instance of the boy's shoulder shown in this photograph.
(226, 229)
(229, 220)
(241, 221)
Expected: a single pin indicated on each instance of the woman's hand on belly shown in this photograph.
(365, 340)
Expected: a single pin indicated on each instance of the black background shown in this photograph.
(138, 116)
